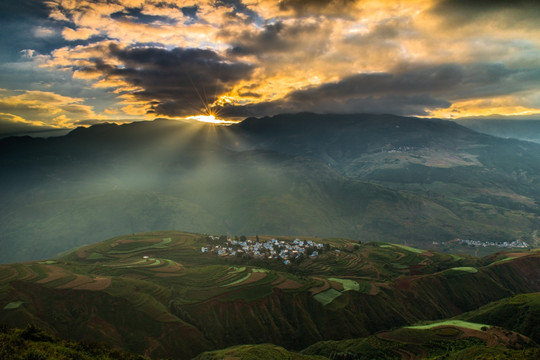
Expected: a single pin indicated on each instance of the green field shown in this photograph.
(327, 296)
(458, 323)
(468, 269)
(347, 284)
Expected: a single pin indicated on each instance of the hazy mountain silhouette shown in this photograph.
(528, 130)
(368, 177)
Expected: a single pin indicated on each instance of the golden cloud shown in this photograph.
(43, 108)
(293, 45)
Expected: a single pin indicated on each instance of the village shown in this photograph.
(273, 249)
(504, 244)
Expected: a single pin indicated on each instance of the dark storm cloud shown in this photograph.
(238, 7)
(273, 38)
(190, 11)
(485, 5)
(506, 12)
(174, 80)
(449, 80)
(317, 7)
(392, 104)
(408, 90)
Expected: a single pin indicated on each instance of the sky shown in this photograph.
(68, 63)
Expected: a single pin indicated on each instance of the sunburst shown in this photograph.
(212, 119)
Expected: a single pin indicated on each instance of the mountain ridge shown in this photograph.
(422, 182)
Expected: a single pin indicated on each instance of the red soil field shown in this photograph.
(99, 283)
(79, 280)
(289, 284)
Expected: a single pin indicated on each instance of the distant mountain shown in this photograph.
(528, 130)
(158, 294)
(422, 182)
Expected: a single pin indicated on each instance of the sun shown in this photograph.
(211, 119)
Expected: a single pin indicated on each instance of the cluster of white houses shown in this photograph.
(272, 249)
(504, 244)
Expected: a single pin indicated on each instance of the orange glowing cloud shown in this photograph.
(268, 56)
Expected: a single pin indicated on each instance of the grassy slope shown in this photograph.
(442, 342)
(256, 352)
(33, 343)
(518, 313)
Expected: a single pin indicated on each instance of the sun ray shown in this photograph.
(212, 119)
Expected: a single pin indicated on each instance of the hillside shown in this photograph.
(518, 313)
(140, 292)
(528, 130)
(439, 340)
(428, 156)
(33, 343)
(412, 181)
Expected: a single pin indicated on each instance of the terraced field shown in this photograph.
(443, 340)
(157, 294)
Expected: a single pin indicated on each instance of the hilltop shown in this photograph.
(419, 182)
(158, 294)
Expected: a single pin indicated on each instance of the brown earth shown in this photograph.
(99, 283)
(78, 281)
(53, 273)
(324, 287)
(255, 276)
(169, 268)
(7, 273)
(336, 285)
(289, 284)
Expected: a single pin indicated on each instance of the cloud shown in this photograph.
(318, 7)
(407, 105)
(172, 82)
(25, 25)
(410, 89)
(40, 108)
(280, 37)
(485, 6)
(238, 10)
(451, 81)
(164, 57)
(506, 13)
(15, 125)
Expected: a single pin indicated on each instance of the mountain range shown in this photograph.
(421, 182)
(528, 130)
(303, 236)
